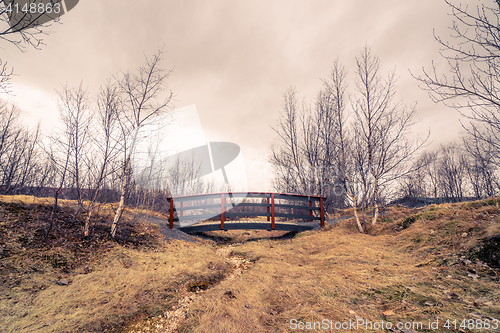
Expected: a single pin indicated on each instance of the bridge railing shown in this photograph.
(224, 202)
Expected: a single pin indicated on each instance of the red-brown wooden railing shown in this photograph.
(270, 205)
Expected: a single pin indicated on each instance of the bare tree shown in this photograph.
(58, 155)
(17, 149)
(287, 158)
(481, 167)
(384, 126)
(21, 29)
(472, 86)
(105, 140)
(336, 87)
(431, 169)
(5, 76)
(23, 24)
(74, 106)
(9, 116)
(184, 179)
(318, 148)
(305, 157)
(452, 172)
(140, 93)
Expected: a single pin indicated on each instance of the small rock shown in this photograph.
(388, 313)
(473, 276)
(49, 323)
(467, 262)
(438, 286)
(248, 306)
(428, 303)
(464, 235)
(62, 282)
(395, 264)
(482, 300)
(352, 312)
(376, 269)
(230, 294)
(476, 315)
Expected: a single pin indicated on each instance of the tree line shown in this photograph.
(87, 155)
(357, 149)
(354, 143)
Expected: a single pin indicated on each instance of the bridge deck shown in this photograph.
(250, 225)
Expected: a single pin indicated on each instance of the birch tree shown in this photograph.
(384, 126)
(141, 93)
(105, 141)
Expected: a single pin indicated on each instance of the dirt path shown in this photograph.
(166, 232)
(170, 321)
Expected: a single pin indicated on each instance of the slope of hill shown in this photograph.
(419, 267)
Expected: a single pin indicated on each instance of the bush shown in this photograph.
(407, 222)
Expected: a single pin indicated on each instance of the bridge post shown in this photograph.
(272, 211)
(322, 212)
(310, 210)
(171, 219)
(182, 205)
(222, 208)
(268, 210)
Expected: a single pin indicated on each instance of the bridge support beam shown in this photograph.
(268, 210)
(272, 211)
(222, 209)
(171, 219)
(322, 212)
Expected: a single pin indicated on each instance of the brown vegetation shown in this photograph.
(415, 265)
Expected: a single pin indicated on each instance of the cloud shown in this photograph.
(234, 59)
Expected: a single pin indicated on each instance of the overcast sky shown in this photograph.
(234, 59)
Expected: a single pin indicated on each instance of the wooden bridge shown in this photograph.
(205, 210)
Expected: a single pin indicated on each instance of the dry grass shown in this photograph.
(125, 285)
(339, 274)
(109, 283)
(421, 265)
(335, 275)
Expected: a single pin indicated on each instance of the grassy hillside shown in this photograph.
(436, 263)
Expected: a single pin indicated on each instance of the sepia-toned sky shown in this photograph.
(234, 59)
